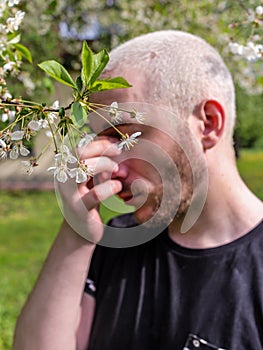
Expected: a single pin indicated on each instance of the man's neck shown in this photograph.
(229, 213)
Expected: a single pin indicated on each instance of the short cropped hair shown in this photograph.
(181, 71)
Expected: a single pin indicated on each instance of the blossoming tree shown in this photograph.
(22, 119)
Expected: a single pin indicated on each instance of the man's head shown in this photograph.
(181, 73)
(176, 70)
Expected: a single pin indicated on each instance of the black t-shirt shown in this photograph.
(162, 296)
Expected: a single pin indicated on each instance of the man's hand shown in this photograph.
(80, 201)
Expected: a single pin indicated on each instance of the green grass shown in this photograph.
(250, 165)
(29, 223)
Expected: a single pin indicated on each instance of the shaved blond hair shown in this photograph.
(181, 70)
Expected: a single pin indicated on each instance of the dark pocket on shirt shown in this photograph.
(196, 343)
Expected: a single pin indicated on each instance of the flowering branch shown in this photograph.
(24, 119)
(252, 51)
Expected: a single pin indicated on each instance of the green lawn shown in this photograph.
(250, 165)
(29, 222)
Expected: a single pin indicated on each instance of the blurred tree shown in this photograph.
(56, 28)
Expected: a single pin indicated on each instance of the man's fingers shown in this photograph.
(101, 192)
(99, 147)
(101, 164)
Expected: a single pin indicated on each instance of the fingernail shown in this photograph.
(116, 168)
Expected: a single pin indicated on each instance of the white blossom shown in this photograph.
(13, 23)
(139, 116)
(60, 172)
(114, 113)
(43, 124)
(65, 155)
(11, 3)
(53, 115)
(7, 95)
(18, 149)
(129, 141)
(87, 139)
(79, 173)
(251, 52)
(27, 167)
(9, 66)
(259, 10)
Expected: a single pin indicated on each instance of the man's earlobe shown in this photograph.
(213, 116)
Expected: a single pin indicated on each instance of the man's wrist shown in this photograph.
(71, 237)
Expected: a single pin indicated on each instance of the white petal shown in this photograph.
(52, 169)
(71, 159)
(5, 117)
(64, 149)
(81, 176)
(114, 105)
(61, 176)
(14, 153)
(3, 155)
(2, 144)
(34, 125)
(121, 145)
(51, 117)
(56, 105)
(136, 134)
(44, 124)
(58, 157)
(24, 151)
(72, 172)
(259, 10)
(17, 135)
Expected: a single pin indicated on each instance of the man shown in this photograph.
(198, 289)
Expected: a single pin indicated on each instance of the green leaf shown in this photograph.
(92, 64)
(99, 62)
(110, 84)
(24, 52)
(15, 39)
(78, 114)
(79, 84)
(86, 59)
(58, 72)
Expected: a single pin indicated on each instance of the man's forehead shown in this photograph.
(128, 128)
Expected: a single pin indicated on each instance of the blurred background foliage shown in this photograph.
(55, 29)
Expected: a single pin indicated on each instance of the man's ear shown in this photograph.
(213, 117)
